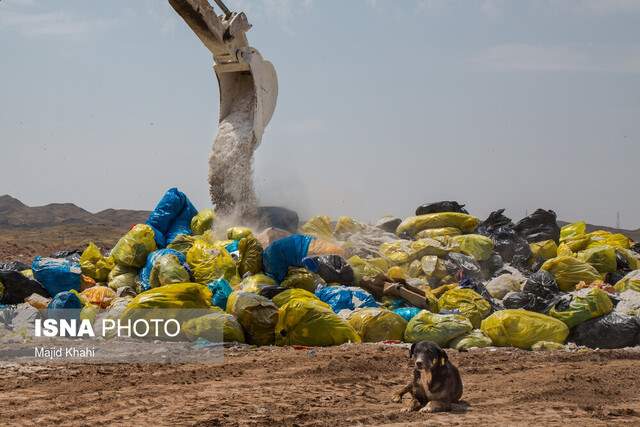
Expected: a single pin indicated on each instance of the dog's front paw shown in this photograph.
(407, 409)
(428, 408)
(396, 398)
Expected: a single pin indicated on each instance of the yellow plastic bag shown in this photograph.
(203, 221)
(604, 238)
(544, 250)
(432, 233)
(257, 315)
(250, 256)
(285, 296)
(522, 329)
(576, 244)
(132, 249)
(377, 324)
(167, 269)
(237, 233)
(301, 278)
(182, 243)
(439, 328)
(209, 262)
(214, 327)
(569, 271)
(347, 225)
(101, 296)
(405, 251)
(414, 224)
(585, 304)
(94, 264)
(571, 231)
(630, 257)
(547, 346)
(367, 267)
(470, 304)
(256, 283)
(305, 322)
(629, 282)
(320, 227)
(474, 339)
(177, 295)
(602, 258)
(475, 245)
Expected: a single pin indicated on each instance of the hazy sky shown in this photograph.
(384, 105)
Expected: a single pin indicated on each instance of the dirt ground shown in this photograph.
(347, 385)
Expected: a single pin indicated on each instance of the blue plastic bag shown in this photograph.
(407, 313)
(346, 297)
(65, 305)
(284, 253)
(56, 274)
(145, 273)
(221, 289)
(171, 216)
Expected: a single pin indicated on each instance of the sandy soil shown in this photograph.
(347, 385)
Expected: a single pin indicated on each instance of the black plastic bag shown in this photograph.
(271, 291)
(437, 207)
(14, 266)
(636, 247)
(512, 248)
(495, 220)
(278, 217)
(614, 330)
(388, 224)
(17, 287)
(71, 255)
(480, 289)
(462, 265)
(539, 226)
(332, 268)
(514, 300)
(542, 285)
(490, 266)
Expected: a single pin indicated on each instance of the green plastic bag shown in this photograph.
(301, 278)
(257, 315)
(569, 271)
(250, 256)
(475, 245)
(602, 258)
(470, 304)
(122, 276)
(439, 328)
(586, 304)
(214, 327)
(94, 264)
(377, 324)
(474, 339)
(209, 262)
(132, 249)
(182, 243)
(414, 224)
(522, 329)
(256, 283)
(203, 221)
(166, 270)
(285, 296)
(302, 321)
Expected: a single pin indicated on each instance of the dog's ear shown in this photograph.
(442, 358)
(413, 347)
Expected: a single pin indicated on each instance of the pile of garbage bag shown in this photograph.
(443, 275)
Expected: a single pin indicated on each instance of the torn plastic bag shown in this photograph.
(439, 328)
(540, 225)
(332, 268)
(56, 275)
(303, 321)
(284, 253)
(444, 206)
(522, 329)
(15, 288)
(614, 330)
(171, 216)
(377, 324)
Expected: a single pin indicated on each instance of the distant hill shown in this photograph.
(14, 213)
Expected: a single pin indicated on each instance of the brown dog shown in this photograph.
(436, 382)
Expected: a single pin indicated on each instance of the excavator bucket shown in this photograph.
(248, 93)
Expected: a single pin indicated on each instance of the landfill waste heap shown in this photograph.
(442, 275)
